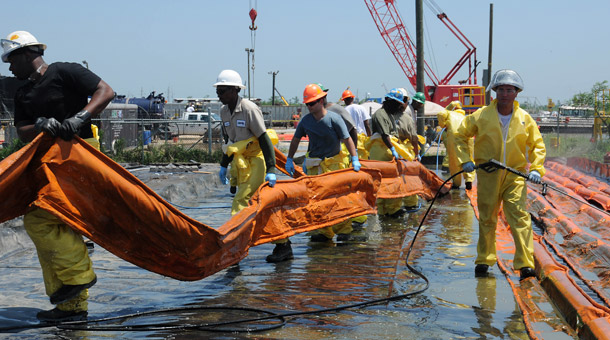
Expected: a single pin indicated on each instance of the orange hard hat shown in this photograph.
(347, 94)
(312, 92)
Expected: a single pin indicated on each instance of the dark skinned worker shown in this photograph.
(507, 133)
(249, 149)
(326, 131)
(248, 145)
(380, 146)
(54, 101)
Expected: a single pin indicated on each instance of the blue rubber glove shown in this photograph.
(271, 179)
(534, 177)
(394, 153)
(356, 163)
(290, 166)
(223, 175)
(468, 167)
(305, 165)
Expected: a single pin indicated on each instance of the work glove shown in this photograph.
(304, 165)
(223, 175)
(270, 177)
(48, 125)
(394, 153)
(290, 166)
(356, 163)
(468, 167)
(534, 177)
(72, 125)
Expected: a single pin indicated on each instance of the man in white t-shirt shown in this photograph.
(359, 114)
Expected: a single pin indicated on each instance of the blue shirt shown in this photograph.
(324, 135)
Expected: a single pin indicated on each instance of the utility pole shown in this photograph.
(273, 86)
(419, 41)
(248, 50)
(491, 31)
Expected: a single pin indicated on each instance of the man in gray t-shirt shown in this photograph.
(326, 130)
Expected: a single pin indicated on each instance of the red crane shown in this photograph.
(393, 32)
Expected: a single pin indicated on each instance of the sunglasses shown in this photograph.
(310, 104)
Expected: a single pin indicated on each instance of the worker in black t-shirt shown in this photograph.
(54, 101)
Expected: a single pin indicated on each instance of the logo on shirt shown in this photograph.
(240, 123)
(227, 123)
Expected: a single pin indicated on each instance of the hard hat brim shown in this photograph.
(7, 53)
(316, 97)
(241, 86)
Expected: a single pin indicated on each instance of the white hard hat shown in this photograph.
(17, 40)
(229, 78)
(405, 94)
(506, 77)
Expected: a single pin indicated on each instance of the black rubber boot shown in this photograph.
(69, 292)
(58, 315)
(343, 237)
(319, 238)
(398, 213)
(480, 270)
(281, 252)
(526, 272)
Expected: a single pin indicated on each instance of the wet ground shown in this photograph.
(370, 266)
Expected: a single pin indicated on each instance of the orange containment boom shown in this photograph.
(101, 200)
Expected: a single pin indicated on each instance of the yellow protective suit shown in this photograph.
(316, 166)
(249, 164)
(378, 151)
(522, 142)
(363, 153)
(451, 120)
(597, 129)
(444, 141)
(62, 253)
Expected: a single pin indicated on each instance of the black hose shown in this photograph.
(217, 326)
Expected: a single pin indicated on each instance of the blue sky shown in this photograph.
(560, 47)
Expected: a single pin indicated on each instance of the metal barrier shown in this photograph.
(133, 133)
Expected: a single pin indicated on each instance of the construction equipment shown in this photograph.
(393, 32)
(282, 97)
(602, 107)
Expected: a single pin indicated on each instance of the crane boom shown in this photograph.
(393, 31)
(395, 35)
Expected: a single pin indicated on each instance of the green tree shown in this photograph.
(588, 98)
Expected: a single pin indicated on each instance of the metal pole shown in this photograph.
(419, 19)
(491, 31)
(209, 131)
(273, 92)
(248, 50)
